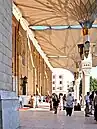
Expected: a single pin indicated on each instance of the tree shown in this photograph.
(93, 84)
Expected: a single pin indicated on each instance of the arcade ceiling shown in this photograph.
(60, 43)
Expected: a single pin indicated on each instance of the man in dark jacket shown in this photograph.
(55, 100)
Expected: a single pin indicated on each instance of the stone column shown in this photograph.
(42, 77)
(86, 81)
(9, 117)
(77, 83)
(76, 86)
(86, 63)
(86, 68)
(76, 89)
(49, 81)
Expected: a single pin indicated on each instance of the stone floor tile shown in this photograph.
(47, 120)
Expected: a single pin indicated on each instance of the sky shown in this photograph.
(94, 72)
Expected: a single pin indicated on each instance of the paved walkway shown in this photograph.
(44, 119)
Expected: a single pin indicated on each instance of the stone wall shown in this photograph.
(6, 44)
(9, 110)
(9, 115)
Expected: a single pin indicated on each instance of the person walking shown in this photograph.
(87, 101)
(91, 102)
(50, 101)
(61, 102)
(55, 103)
(80, 100)
(34, 101)
(31, 101)
(69, 104)
(20, 102)
(64, 102)
(95, 106)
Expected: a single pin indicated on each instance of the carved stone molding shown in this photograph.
(86, 67)
(87, 71)
(86, 64)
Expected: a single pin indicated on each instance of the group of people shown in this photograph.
(91, 101)
(32, 102)
(64, 102)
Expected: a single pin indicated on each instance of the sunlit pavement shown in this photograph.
(42, 118)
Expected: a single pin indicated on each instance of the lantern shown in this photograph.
(85, 31)
(80, 50)
(86, 48)
(75, 75)
(77, 65)
(73, 83)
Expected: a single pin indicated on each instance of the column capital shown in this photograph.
(87, 72)
(86, 67)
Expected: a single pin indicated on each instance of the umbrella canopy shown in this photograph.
(59, 31)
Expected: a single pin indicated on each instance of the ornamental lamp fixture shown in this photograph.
(73, 83)
(77, 65)
(80, 50)
(86, 48)
(93, 48)
(87, 24)
(77, 74)
(74, 75)
(85, 31)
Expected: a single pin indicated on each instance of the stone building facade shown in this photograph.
(61, 81)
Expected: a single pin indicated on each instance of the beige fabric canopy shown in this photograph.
(60, 46)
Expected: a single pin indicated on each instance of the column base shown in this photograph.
(9, 114)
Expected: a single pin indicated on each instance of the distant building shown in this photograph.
(62, 81)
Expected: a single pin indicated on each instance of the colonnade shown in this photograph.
(27, 62)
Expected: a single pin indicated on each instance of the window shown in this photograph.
(60, 76)
(60, 82)
(71, 89)
(53, 82)
(60, 88)
(53, 88)
(53, 76)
